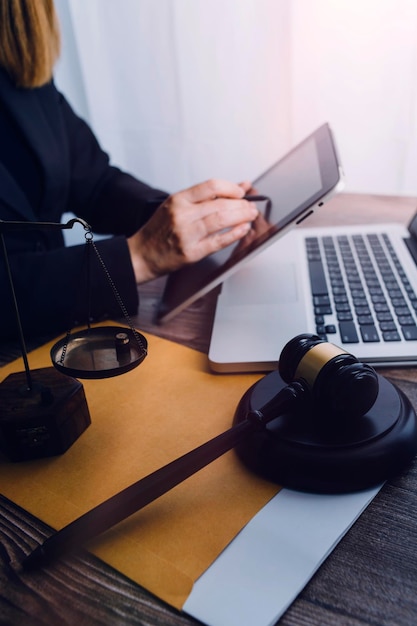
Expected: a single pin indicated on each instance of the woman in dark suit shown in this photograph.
(51, 163)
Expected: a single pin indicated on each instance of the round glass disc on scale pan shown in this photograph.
(99, 351)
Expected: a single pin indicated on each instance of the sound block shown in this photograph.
(307, 451)
(42, 421)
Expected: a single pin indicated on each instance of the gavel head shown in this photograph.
(339, 383)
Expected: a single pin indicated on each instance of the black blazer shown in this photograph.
(75, 176)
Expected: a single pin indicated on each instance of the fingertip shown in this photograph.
(212, 189)
(239, 231)
(245, 228)
(245, 185)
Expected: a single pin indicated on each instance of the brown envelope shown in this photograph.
(142, 420)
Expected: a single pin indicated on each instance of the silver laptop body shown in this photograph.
(366, 309)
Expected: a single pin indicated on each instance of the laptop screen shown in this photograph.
(292, 188)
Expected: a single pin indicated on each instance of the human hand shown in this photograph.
(190, 225)
(259, 227)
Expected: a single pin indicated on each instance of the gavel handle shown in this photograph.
(151, 487)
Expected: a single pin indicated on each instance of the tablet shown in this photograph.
(290, 191)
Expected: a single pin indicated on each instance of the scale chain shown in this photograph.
(115, 292)
(89, 241)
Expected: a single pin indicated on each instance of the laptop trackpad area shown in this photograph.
(259, 309)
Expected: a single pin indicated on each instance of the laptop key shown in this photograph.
(409, 332)
(364, 320)
(363, 310)
(398, 302)
(321, 300)
(348, 333)
(406, 320)
(359, 302)
(381, 308)
(317, 278)
(339, 299)
(345, 316)
(401, 311)
(339, 291)
(387, 326)
(342, 306)
(391, 335)
(323, 310)
(369, 334)
(384, 316)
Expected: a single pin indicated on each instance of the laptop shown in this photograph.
(355, 286)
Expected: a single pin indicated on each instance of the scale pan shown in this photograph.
(100, 352)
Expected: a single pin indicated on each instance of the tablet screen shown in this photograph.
(291, 188)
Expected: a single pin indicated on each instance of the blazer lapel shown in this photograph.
(42, 131)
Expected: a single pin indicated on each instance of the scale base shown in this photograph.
(43, 421)
(309, 452)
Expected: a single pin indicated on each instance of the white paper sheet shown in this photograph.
(265, 567)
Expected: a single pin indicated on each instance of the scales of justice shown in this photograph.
(44, 411)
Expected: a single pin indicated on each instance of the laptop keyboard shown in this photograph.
(360, 289)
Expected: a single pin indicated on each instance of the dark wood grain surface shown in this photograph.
(370, 578)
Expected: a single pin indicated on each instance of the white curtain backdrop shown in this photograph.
(354, 63)
(182, 90)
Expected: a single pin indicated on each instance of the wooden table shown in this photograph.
(370, 578)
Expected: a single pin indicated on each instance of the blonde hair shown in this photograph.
(29, 40)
